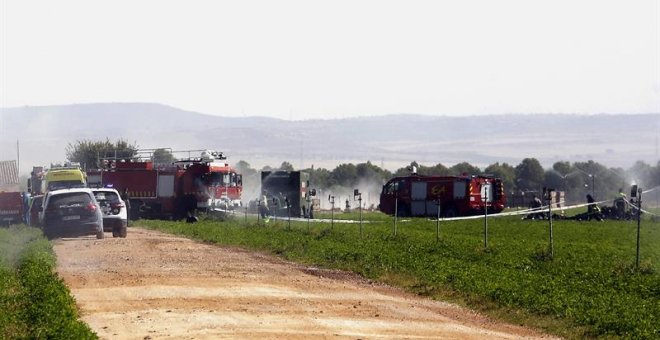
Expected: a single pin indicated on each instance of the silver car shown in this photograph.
(72, 212)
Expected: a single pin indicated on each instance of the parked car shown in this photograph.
(72, 212)
(35, 211)
(114, 211)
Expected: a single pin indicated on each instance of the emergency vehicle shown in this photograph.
(417, 195)
(57, 177)
(11, 207)
(11, 199)
(286, 187)
(176, 190)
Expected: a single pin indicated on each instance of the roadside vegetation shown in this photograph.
(590, 288)
(34, 302)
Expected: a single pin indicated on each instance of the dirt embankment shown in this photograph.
(153, 285)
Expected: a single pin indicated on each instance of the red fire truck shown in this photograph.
(416, 195)
(174, 190)
(11, 199)
(11, 208)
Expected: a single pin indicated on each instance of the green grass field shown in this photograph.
(34, 302)
(590, 288)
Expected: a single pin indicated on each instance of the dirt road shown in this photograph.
(153, 285)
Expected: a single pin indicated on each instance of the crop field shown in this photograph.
(34, 302)
(589, 288)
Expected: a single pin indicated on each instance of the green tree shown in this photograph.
(319, 177)
(286, 166)
(529, 174)
(438, 170)
(505, 172)
(88, 153)
(244, 168)
(595, 179)
(344, 175)
(562, 167)
(464, 168)
(435, 170)
(406, 170)
(162, 156)
(368, 171)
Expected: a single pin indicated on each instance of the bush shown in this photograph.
(35, 302)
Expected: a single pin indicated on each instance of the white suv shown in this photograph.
(113, 209)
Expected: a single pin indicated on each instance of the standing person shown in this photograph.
(127, 201)
(620, 204)
(593, 210)
(535, 205)
(26, 207)
(263, 206)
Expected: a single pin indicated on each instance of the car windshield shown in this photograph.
(65, 185)
(69, 200)
(37, 202)
(221, 179)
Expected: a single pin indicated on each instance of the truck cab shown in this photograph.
(65, 178)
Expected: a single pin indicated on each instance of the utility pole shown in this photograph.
(548, 193)
(396, 208)
(437, 222)
(308, 214)
(288, 210)
(258, 210)
(331, 199)
(485, 198)
(18, 159)
(358, 194)
(635, 191)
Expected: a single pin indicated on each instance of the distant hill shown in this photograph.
(392, 140)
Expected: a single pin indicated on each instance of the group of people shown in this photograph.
(265, 210)
(619, 209)
(535, 205)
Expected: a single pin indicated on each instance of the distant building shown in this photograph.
(8, 176)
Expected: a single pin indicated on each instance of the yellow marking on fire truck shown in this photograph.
(437, 190)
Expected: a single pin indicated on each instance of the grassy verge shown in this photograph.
(589, 288)
(34, 302)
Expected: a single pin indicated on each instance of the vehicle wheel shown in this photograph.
(49, 234)
(100, 235)
(122, 232)
(403, 210)
(115, 232)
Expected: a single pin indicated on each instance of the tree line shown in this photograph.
(575, 179)
(528, 177)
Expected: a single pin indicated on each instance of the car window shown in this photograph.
(109, 196)
(37, 202)
(69, 200)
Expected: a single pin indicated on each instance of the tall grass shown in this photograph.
(34, 302)
(589, 288)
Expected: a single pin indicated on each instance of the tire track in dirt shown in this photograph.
(154, 285)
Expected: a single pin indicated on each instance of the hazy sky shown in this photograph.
(313, 59)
